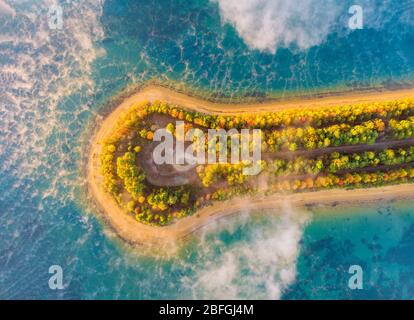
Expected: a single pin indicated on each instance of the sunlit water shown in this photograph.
(55, 82)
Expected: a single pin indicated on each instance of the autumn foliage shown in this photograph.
(304, 150)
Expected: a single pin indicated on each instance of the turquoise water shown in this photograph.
(378, 238)
(54, 84)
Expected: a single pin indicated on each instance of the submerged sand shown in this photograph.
(166, 237)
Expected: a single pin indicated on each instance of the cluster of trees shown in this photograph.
(403, 129)
(145, 214)
(317, 117)
(228, 193)
(165, 198)
(131, 174)
(335, 135)
(107, 159)
(162, 205)
(356, 179)
(336, 162)
(298, 166)
(213, 173)
(306, 128)
(291, 129)
(127, 123)
(122, 173)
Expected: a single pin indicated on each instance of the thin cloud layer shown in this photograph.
(269, 24)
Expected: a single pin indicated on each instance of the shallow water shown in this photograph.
(54, 83)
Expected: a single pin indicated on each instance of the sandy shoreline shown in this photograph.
(166, 237)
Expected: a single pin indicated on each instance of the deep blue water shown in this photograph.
(54, 83)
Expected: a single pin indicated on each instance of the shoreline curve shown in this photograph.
(167, 237)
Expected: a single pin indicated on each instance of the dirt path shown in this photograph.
(152, 93)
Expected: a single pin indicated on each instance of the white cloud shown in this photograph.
(269, 24)
(262, 266)
(5, 9)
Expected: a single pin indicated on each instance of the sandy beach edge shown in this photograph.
(138, 234)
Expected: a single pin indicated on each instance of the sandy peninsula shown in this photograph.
(128, 229)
